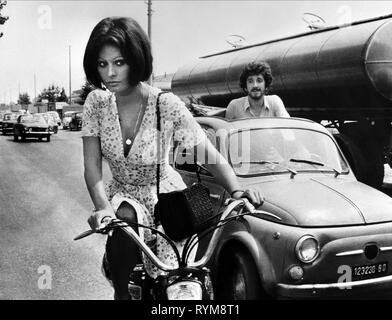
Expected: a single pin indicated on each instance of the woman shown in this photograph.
(119, 123)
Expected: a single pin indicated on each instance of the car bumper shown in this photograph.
(37, 134)
(8, 129)
(358, 288)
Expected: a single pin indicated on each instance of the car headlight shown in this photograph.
(185, 290)
(307, 249)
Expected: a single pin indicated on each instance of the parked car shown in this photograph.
(31, 126)
(52, 121)
(67, 119)
(76, 121)
(2, 113)
(9, 119)
(320, 232)
(55, 116)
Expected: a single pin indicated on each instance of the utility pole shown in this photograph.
(70, 90)
(35, 89)
(149, 15)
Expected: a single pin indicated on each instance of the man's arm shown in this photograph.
(230, 111)
(280, 110)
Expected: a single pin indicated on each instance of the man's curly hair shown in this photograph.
(253, 69)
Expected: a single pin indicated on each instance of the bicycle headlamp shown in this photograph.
(185, 290)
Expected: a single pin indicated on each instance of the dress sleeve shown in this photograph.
(91, 120)
(187, 132)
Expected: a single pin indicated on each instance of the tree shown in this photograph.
(24, 98)
(86, 89)
(3, 19)
(53, 94)
(63, 97)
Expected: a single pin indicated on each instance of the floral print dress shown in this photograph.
(134, 176)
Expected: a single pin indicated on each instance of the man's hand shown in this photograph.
(254, 196)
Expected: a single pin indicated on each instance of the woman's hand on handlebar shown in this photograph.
(100, 218)
(254, 196)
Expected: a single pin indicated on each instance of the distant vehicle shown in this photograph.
(1, 118)
(9, 119)
(55, 116)
(67, 119)
(52, 121)
(76, 121)
(31, 126)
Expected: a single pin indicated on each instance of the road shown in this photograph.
(43, 205)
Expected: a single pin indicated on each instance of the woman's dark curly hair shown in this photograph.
(253, 69)
(125, 34)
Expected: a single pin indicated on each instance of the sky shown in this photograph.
(41, 38)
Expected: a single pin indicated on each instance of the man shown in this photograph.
(255, 80)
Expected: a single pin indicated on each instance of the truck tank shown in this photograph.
(342, 72)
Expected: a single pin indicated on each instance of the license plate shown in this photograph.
(369, 271)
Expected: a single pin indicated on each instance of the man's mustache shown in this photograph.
(255, 90)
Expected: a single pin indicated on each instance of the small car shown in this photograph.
(55, 116)
(52, 121)
(1, 119)
(319, 233)
(67, 119)
(9, 119)
(76, 121)
(31, 126)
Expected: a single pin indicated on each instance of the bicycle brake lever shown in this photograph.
(84, 234)
(103, 230)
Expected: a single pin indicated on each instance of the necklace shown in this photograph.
(128, 141)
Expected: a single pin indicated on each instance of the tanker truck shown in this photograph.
(339, 76)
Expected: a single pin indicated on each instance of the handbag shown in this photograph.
(181, 213)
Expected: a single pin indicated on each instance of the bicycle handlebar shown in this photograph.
(151, 255)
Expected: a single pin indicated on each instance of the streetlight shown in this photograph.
(69, 71)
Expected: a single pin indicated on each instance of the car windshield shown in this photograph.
(10, 116)
(27, 119)
(79, 115)
(54, 115)
(266, 151)
(39, 118)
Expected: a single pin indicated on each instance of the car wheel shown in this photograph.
(48, 138)
(16, 138)
(39, 139)
(240, 281)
